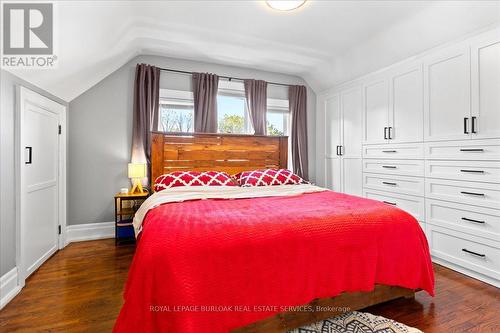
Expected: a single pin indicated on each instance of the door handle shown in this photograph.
(390, 133)
(341, 148)
(30, 155)
(337, 151)
(474, 253)
(466, 120)
(385, 133)
(473, 130)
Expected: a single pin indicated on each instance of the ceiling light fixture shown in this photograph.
(285, 5)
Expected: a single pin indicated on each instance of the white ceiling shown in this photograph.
(324, 42)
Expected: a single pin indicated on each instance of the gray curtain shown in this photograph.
(205, 88)
(297, 96)
(256, 96)
(145, 118)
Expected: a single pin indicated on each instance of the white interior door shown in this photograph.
(447, 95)
(406, 115)
(333, 135)
(352, 117)
(352, 176)
(333, 174)
(375, 112)
(486, 85)
(40, 185)
(333, 126)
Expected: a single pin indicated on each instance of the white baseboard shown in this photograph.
(9, 287)
(89, 231)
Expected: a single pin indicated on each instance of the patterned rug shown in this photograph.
(356, 322)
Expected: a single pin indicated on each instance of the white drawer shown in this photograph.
(397, 184)
(409, 203)
(477, 221)
(472, 193)
(478, 171)
(473, 150)
(395, 167)
(389, 151)
(475, 253)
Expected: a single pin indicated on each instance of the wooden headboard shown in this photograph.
(231, 153)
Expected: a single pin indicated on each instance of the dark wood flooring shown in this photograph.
(80, 288)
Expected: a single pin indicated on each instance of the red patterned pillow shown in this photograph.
(193, 178)
(268, 177)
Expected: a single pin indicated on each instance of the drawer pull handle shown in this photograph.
(474, 221)
(474, 253)
(389, 166)
(389, 183)
(389, 151)
(473, 193)
(472, 171)
(472, 149)
(390, 203)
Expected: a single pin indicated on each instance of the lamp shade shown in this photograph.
(137, 170)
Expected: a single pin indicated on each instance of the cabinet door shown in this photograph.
(352, 119)
(352, 176)
(333, 126)
(485, 64)
(333, 174)
(406, 116)
(447, 95)
(375, 111)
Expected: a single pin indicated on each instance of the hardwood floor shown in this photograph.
(80, 290)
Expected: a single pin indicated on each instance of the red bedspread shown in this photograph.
(215, 265)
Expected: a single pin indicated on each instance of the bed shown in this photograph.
(266, 259)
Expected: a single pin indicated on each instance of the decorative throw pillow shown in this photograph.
(268, 177)
(193, 178)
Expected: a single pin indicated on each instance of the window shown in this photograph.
(232, 113)
(176, 111)
(278, 120)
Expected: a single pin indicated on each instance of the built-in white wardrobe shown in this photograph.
(424, 135)
(343, 141)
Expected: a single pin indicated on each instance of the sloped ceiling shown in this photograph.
(324, 42)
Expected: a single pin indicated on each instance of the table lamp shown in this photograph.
(137, 171)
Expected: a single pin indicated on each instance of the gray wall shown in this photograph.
(8, 83)
(100, 131)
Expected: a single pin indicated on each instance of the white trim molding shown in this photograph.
(89, 231)
(9, 287)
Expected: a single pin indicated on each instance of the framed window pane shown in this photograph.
(232, 115)
(176, 117)
(277, 122)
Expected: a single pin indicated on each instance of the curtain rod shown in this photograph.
(229, 78)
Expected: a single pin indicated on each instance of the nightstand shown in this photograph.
(126, 204)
